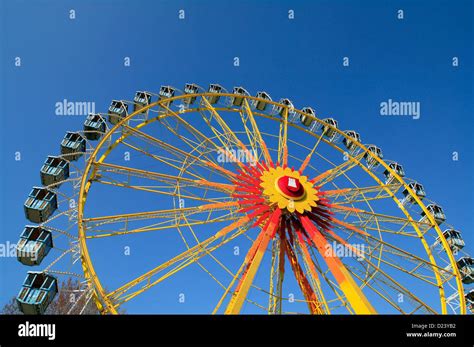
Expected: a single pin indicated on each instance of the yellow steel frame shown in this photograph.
(106, 301)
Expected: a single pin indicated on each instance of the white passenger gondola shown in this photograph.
(436, 212)
(350, 143)
(40, 204)
(73, 145)
(190, 89)
(308, 117)
(328, 128)
(397, 168)
(37, 292)
(141, 100)
(117, 111)
(215, 89)
(261, 105)
(94, 126)
(466, 268)
(166, 92)
(454, 240)
(281, 109)
(417, 188)
(238, 100)
(470, 300)
(369, 159)
(34, 244)
(54, 170)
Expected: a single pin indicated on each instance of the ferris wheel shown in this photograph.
(258, 206)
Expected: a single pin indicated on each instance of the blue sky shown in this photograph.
(82, 60)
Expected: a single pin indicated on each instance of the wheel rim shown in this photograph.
(85, 186)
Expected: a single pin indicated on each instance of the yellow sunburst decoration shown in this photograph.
(289, 189)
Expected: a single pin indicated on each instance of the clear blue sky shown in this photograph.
(82, 60)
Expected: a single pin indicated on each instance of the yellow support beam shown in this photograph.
(313, 274)
(253, 259)
(258, 134)
(349, 287)
(283, 139)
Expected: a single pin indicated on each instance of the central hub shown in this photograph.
(290, 187)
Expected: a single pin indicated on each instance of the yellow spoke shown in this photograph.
(253, 260)
(228, 288)
(310, 155)
(314, 305)
(341, 169)
(209, 165)
(256, 132)
(228, 134)
(356, 194)
(361, 254)
(313, 274)
(197, 134)
(374, 216)
(352, 291)
(276, 278)
(126, 217)
(200, 137)
(172, 180)
(182, 260)
(388, 247)
(172, 223)
(283, 139)
(154, 190)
